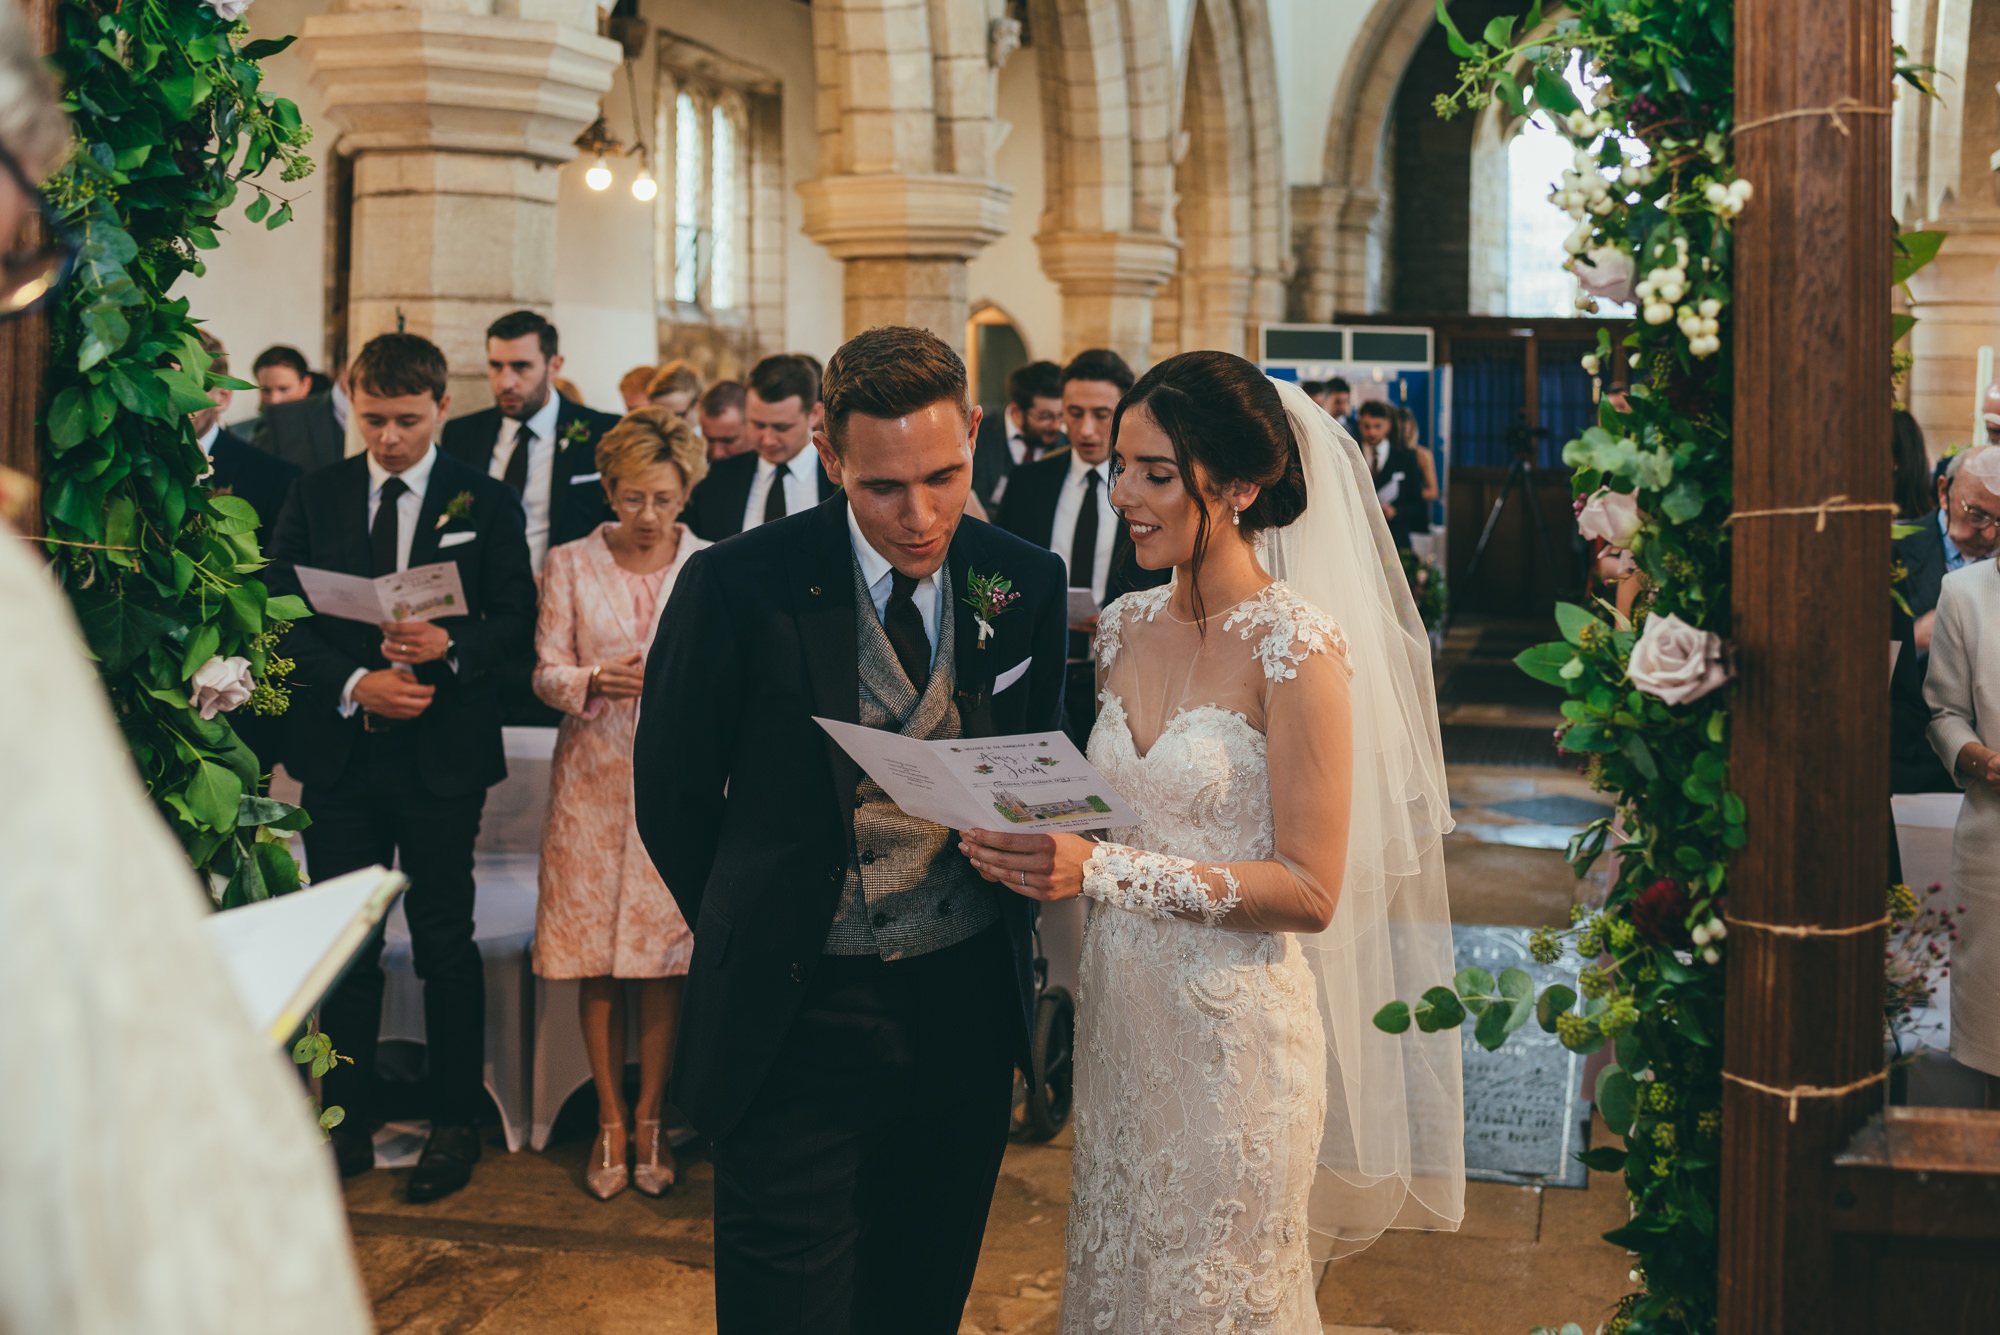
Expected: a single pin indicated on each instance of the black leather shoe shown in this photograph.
(446, 1163)
(353, 1151)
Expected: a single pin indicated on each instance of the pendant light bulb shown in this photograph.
(644, 187)
(599, 176)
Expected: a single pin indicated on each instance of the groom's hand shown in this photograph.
(1041, 866)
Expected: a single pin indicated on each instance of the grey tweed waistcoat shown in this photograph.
(908, 890)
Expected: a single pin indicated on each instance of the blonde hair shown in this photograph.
(652, 436)
(32, 125)
(674, 378)
(635, 380)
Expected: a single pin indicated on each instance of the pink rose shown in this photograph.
(1676, 663)
(1605, 272)
(228, 10)
(220, 685)
(1611, 515)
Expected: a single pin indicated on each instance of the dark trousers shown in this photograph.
(1080, 702)
(852, 1197)
(380, 809)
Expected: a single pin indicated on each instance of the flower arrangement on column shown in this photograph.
(1653, 193)
(170, 124)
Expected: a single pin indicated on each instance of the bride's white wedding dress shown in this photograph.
(1202, 1086)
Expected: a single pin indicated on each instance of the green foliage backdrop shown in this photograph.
(170, 124)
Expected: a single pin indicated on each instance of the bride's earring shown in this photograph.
(1236, 519)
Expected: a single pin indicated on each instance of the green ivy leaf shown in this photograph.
(1617, 1099)
(212, 798)
(236, 514)
(1500, 31)
(286, 607)
(280, 870)
(1553, 92)
(258, 208)
(69, 418)
(119, 630)
(202, 643)
(1393, 1018)
(1453, 38)
(1641, 755)
(1604, 1159)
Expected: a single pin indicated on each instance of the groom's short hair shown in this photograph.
(890, 372)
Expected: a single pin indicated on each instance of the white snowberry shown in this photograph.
(1709, 308)
(1590, 363)
(1712, 955)
(1658, 312)
(1700, 934)
(1740, 188)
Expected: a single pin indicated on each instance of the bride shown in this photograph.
(1269, 715)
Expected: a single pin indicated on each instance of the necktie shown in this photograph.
(516, 475)
(774, 499)
(905, 625)
(382, 533)
(1083, 547)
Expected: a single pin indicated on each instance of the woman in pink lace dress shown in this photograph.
(605, 915)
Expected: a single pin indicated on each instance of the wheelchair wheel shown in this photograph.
(1051, 1087)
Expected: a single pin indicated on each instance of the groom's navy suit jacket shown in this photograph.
(747, 806)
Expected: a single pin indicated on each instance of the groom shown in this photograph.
(858, 997)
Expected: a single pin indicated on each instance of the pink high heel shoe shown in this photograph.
(649, 1175)
(605, 1179)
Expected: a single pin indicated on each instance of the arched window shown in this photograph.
(726, 261)
(688, 147)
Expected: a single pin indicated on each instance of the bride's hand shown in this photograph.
(1041, 866)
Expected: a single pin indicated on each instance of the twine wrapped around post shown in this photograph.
(1797, 1092)
(1852, 106)
(1831, 505)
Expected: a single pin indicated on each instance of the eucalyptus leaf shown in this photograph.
(1617, 1099)
(1545, 662)
(1475, 987)
(1555, 1001)
(1393, 1018)
(1519, 990)
(1437, 1009)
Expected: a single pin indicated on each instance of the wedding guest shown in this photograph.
(1963, 691)
(674, 387)
(632, 387)
(604, 914)
(1337, 397)
(1030, 427)
(775, 477)
(1398, 477)
(1964, 529)
(1408, 437)
(282, 376)
(540, 444)
(1063, 503)
(236, 467)
(394, 729)
(310, 432)
(720, 416)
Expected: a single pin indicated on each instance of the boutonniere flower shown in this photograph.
(576, 433)
(988, 596)
(458, 507)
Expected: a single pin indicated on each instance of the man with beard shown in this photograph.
(1031, 427)
(545, 448)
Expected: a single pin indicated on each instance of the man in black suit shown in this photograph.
(394, 728)
(777, 476)
(308, 433)
(1063, 503)
(282, 376)
(1962, 530)
(1399, 479)
(545, 449)
(1029, 427)
(236, 467)
(858, 997)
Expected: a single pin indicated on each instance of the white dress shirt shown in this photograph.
(1017, 440)
(416, 477)
(207, 443)
(801, 487)
(541, 470)
(1070, 504)
(875, 568)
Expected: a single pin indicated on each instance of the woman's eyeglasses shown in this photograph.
(30, 276)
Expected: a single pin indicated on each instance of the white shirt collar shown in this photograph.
(765, 468)
(207, 440)
(1077, 468)
(1014, 429)
(543, 420)
(416, 477)
(875, 567)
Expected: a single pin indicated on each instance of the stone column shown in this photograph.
(1957, 305)
(1108, 282)
(457, 123)
(904, 238)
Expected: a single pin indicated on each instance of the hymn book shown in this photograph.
(284, 954)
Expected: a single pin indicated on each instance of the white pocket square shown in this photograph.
(1012, 675)
(585, 477)
(454, 539)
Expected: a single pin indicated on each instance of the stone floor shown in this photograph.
(523, 1249)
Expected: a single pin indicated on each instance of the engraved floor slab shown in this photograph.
(1524, 1120)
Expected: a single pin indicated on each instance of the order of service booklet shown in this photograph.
(422, 593)
(283, 954)
(1029, 783)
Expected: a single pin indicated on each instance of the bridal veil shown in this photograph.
(1393, 1155)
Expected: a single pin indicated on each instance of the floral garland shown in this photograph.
(1653, 478)
(169, 122)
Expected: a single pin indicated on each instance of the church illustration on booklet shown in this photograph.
(1014, 809)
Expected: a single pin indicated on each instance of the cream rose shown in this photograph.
(1613, 516)
(1676, 663)
(220, 685)
(1606, 272)
(228, 10)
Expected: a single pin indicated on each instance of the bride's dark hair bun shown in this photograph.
(1224, 414)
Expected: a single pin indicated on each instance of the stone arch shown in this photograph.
(1209, 300)
(1106, 231)
(1337, 225)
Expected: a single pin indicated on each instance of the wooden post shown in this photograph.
(1810, 722)
(24, 343)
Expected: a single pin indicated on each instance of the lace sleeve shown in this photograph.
(1158, 885)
